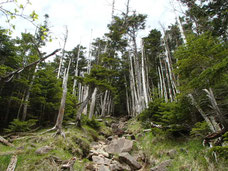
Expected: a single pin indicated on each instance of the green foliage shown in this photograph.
(172, 115)
(153, 109)
(200, 129)
(221, 151)
(90, 122)
(200, 60)
(225, 136)
(21, 126)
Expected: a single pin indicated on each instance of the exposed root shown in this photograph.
(58, 132)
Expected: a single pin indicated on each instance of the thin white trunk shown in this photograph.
(26, 101)
(133, 88)
(144, 78)
(59, 120)
(76, 71)
(215, 107)
(206, 118)
(104, 103)
(92, 105)
(163, 82)
(63, 53)
(113, 10)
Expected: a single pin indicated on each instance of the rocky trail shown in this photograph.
(114, 154)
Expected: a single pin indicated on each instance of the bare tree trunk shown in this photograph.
(59, 120)
(76, 71)
(83, 105)
(145, 91)
(163, 82)
(104, 103)
(92, 106)
(26, 101)
(215, 107)
(206, 118)
(63, 52)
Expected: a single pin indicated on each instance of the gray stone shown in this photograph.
(103, 168)
(98, 159)
(117, 166)
(128, 159)
(119, 145)
(101, 160)
(162, 166)
(172, 153)
(43, 150)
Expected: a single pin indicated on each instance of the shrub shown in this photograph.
(21, 126)
(91, 122)
(200, 129)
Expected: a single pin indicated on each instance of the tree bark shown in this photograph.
(83, 105)
(63, 53)
(26, 101)
(206, 118)
(59, 120)
(92, 106)
(13, 163)
(76, 71)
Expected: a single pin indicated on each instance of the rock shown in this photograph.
(121, 125)
(90, 167)
(103, 168)
(98, 159)
(101, 160)
(94, 144)
(162, 166)
(119, 145)
(128, 159)
(119, 132)
(117, 166)
(172, 153)
(110, 138)
(140, 156)
(20, 148)
(43, 150)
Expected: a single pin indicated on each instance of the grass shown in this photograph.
(76, 144)
(190, 153)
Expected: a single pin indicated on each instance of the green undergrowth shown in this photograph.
(75, 144)
(186, 152)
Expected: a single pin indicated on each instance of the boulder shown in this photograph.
(43, 150)
(101, 160)
(98, 159)
(117, 166)
(128, 159)
(103, 168)
(119, 145)
(162, 166)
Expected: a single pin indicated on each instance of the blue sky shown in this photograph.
(80, 16)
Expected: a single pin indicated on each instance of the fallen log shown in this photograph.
(4, 141)
(13, 163)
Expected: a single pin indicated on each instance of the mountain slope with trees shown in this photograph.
(172, 83)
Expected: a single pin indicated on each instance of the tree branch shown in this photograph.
(9, 76)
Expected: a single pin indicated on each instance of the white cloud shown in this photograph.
(83, 15)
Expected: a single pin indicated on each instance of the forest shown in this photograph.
(169, 89)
